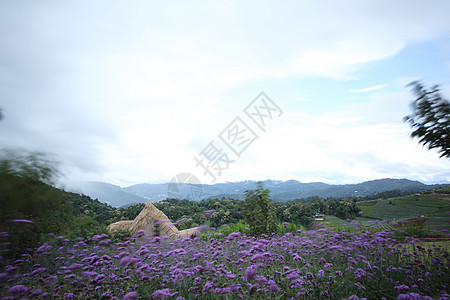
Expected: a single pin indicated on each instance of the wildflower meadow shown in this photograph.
(315, 264)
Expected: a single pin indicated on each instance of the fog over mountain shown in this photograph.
(279, 190)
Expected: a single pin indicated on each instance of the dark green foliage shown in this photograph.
(302, 214)
(383, 195)
(220, 217)
(430, 119)
(26, 195)
(84, 226)
(131, 212)
(84, 206)
(259, 212)
(343, 208)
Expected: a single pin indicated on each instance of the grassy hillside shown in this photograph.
(434, 205)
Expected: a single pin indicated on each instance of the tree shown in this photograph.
(30, 206)
(302, 213)
(430, 119)
(259, 211)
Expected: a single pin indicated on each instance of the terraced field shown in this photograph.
(435, 206)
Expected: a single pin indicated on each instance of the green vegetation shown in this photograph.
(334, 221)
(430, 119)
(434, 205)
(31, 208)
(366, 210)
(259, 213)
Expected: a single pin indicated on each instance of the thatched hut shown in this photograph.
(121, 225)
(154, 223)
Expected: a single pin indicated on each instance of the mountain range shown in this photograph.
(279, 190)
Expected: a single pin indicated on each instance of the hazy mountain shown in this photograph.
(105, 192)
(293, 189)
(359, 189)
(279, 190)
(154, 192)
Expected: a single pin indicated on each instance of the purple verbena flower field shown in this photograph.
(317, 264)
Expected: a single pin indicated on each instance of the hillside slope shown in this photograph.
(434, 205)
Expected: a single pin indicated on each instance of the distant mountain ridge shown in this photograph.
(279, 190)
(108, 193)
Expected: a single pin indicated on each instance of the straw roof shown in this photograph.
(154, 223)
(121, 225)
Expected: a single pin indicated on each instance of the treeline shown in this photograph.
(380, 195)
(217, 212)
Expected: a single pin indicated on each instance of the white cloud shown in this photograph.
(369, 89)
(132, 92)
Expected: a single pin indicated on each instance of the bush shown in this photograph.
(30, 207)
(259, 211)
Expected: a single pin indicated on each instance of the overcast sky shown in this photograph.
(129, 92)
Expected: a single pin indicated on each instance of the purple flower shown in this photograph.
(43, 248)
(413, 296)
(38, 271)
(75, 266)
(285, 225)
(273, 287)
(21, 221)
(140, 233)
(360, 273)
(105, 242)
(130, 296)
(36, 292)
(250, 273)
(97, 238)
(89, 274)
(233, 235)
(160, 222)
(18, 289)
(235, 287)
(107, 295)
(208, 285)
(401, 288)
(354, 297)
(128, 260)
(160, 294)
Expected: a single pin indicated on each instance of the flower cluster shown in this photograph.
(321, 264)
